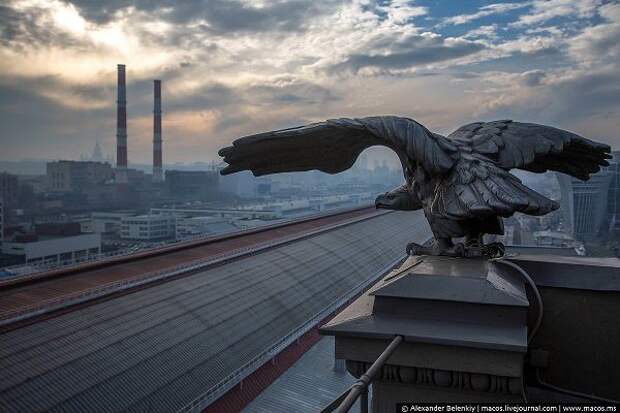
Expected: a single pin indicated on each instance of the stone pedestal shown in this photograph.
(464, 328)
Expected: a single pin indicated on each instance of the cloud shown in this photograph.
(484, 11)
(584, 101)
(488, 32)
(599, 42)
(217, 16)
(401, 11)
(24, 28)
(544, 10)
(533, 77)
(413, 51)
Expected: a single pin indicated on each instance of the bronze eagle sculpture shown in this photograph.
(462, 181)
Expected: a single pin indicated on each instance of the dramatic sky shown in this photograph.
(233, 67)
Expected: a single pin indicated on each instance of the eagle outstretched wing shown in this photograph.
(334, 145)
(534, 148)
(480, 185)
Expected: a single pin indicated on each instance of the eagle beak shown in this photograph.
(385, 201)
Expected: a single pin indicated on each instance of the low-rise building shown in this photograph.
(108, 222)
(194, 226)
(50, 249)
(148, 227)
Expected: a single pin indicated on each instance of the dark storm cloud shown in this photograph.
(412, 52)
(222, 16)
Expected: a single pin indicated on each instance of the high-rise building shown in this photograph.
(584, 204)
(592, 207)
(613, 195)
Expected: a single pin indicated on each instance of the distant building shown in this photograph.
(1, 220)
(76, 176)
(97, 155)
(199, 185)
(100, 196)
(38, 183)
(242, 184)
(592, 207)
(584, 204)
(9, 189)
(193, 226)
(554, 239)
(137, 176)
(53, 244)
(108, 222)
(613, 195)
(148, 227)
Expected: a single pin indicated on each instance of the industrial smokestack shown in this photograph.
(157, 158)
(121, 128)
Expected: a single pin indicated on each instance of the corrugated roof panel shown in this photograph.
(308, 386)
(173, 341)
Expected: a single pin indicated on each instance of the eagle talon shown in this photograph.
(493, 250)
(417, 249)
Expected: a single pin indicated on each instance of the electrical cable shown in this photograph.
(537, 295)
(539, 303)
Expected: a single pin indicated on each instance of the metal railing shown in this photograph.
(52, 304)
(359, 389)
(230, 381)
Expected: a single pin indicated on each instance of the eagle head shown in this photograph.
(401, 199)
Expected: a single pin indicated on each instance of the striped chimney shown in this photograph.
(121, 128)
(157, 156)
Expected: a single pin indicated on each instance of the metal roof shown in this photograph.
(308, 386)
(159, 348)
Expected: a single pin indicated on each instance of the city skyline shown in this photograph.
(233, 68)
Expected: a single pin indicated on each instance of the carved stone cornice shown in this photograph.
(456, 380)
